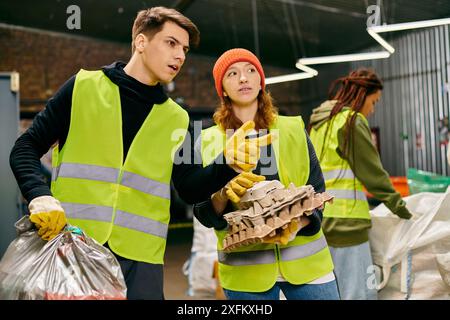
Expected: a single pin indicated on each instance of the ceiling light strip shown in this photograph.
(289, 77)
(344, 58)
(373, 32)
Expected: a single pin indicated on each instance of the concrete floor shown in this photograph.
(178, 250)
(175, 282)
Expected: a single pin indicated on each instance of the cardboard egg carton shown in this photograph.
(268, 207)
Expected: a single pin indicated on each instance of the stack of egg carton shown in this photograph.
(268, 207)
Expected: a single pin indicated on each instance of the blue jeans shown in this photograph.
(353, 268)
(325, 291)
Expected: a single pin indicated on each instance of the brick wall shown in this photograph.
(45, 60)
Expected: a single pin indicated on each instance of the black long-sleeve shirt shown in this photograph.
(193, 182)
(205, 213)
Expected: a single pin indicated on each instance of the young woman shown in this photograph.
(342, 138)
(302, 268)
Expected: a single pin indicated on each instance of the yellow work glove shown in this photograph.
(288, 234)
(283, 236)
(48, 216)
(237, 186)
(241, 153)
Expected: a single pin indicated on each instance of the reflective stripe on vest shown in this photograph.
(124, 201)
(247, 258)
(298, 252)
(124, 219)
(86, 171)
(142, 224)
(99, 173)
(88, 211)
(146, 185)
(348, 194)
(338, 174)
(350, 200)
(255, 268)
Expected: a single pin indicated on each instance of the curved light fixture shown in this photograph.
(374, 31)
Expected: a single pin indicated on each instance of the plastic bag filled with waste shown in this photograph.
(72, 266)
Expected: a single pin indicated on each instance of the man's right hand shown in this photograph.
(48, 216)
(241, 153)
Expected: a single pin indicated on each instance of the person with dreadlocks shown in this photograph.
(341, 137)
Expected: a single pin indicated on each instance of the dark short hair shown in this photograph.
(151, 21)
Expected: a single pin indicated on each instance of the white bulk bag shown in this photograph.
(408, 251)
(199, 268)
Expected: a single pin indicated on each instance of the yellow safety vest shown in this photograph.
(123, 202)
(255, 268)
(350, 200)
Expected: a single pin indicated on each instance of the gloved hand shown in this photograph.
(237, 186)
(48, 216)
(404, 213)
(241, 153)
(288, 234)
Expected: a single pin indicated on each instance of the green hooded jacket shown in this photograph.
(367, 167)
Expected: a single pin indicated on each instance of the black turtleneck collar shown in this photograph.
(129, 85)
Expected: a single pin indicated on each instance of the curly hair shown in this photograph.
(225, 118)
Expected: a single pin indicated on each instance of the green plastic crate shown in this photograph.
(424, 181)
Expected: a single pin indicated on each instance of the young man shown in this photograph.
(114, 160)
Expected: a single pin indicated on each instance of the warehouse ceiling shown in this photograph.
(279, 31)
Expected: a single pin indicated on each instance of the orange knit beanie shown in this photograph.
(232, 56)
